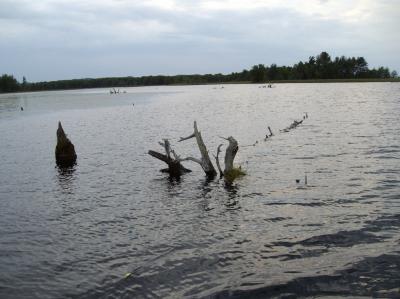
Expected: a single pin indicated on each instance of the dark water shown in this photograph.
(76, 233)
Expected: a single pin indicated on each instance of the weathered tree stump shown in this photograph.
(230, 154)
(65, 151)
(175, 168)
(205, 161)
(230, 172)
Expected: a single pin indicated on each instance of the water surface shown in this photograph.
(76, 233)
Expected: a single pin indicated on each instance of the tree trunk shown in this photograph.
(230, 154)
(65, 151)
(221, 173)
(205, 161)
(175, 167)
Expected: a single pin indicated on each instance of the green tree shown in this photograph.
(258, 73)
(8, 83)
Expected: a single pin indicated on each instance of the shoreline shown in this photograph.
(387, 80)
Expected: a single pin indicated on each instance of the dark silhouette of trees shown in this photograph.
(8, 83)
(318, 67)
(258, 73)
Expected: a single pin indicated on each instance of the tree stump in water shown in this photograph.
(175, 168)
(230, 172)
(65, 151)
(205, 161)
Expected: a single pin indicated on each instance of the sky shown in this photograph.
(47, 40)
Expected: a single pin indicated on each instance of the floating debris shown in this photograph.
(270, 131)
(293, 125)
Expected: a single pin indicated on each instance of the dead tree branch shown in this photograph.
(175, 167)
(205, 161)
(230, 153)
(221, 174)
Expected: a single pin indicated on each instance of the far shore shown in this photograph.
(391, 80)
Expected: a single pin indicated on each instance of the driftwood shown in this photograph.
(65, 151)
(205, 161)
(175, 167)
(231, 172)
(230, 154)
(221, 173)
(174, 161)
(270, 132)
(293, 125)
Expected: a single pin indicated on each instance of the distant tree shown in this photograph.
(323, 63)
(383, 72)
(393, 74)
(258, 73)
(361, 67)
(24, 84)
(299, 71)
(273, 73)
(8, 83)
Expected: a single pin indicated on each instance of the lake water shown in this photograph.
(77, 233)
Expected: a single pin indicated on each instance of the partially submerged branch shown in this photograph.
(221, 174)
(175, 167)
(205, 161)
(186, 138)
(230, 153)
(231, 172)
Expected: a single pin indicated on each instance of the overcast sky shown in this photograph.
(65, 39)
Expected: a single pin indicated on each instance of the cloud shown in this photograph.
(122, 37)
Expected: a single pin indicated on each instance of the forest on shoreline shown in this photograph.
(320, 68)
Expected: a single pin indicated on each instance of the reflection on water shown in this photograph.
(77, 232)
(66, 177)
(232, 202)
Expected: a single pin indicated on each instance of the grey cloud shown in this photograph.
(73, 39)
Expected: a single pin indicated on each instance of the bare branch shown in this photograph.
(186, 138)
(176, 157)
(205, 161)
(159, 156)
(167, 147)
(217, 161)
(174, 166)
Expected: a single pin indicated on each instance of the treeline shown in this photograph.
(318, 67)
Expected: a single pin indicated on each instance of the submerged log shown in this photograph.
(205, 161)
(293, 125)
(65, 151)
(175, 167)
